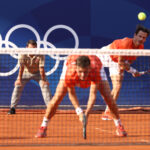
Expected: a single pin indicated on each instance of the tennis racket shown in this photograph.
(144, 72)
(84, 126)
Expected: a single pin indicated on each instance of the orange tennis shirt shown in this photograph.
(125, 43)
(71, 77)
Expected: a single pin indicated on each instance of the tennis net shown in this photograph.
(65, 128)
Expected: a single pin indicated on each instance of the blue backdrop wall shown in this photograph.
(69, 24)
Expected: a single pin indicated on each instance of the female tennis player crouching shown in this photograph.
(84, 72)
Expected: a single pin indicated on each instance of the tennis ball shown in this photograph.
(141, 16)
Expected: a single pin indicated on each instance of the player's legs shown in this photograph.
(105, 91)
(117, 84)
(115, 73)
(61, 91)
(116, 76)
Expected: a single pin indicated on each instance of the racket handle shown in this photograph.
(84, 126)
(142, 72)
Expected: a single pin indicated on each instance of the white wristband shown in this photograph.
(132, 70)
(79, 111)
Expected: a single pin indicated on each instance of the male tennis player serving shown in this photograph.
(84, 72)
(118, 64)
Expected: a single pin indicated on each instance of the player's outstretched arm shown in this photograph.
(92, 98)
(75, 102)
(123, 65)
(73, 97)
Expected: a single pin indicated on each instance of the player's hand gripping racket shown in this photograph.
(144, 72)
(84, 126)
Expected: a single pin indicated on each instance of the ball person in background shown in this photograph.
(31, 68)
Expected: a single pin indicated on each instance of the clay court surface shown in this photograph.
(78, 148)
(65, 131)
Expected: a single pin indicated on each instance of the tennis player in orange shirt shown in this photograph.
(118, 64)
(83, 72)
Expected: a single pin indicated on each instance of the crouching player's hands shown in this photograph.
(81, 117)
(79, 112)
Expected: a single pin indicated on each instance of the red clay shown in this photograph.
(65, 129)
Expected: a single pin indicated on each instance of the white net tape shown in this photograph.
(70, 51)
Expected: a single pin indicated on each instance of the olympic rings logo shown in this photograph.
(40, 42)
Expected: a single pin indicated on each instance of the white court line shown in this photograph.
(106, 131)
(147, 141)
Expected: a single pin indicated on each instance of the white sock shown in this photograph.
(117, 122)
(45, 122)
(106, 109)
